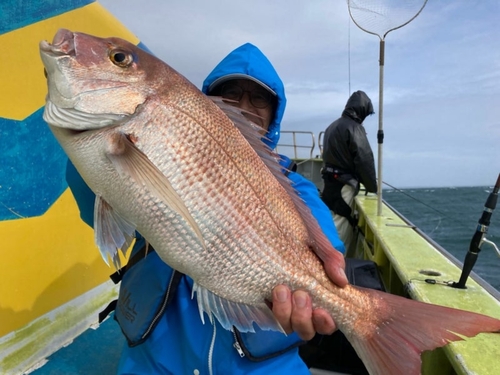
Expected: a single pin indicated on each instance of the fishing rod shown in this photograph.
(479, 237)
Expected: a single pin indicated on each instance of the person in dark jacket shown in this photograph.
(348, 161)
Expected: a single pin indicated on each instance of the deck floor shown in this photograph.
(95, 352)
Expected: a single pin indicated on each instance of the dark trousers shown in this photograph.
(332, 196)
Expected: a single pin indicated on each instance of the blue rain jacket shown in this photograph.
(155, 308)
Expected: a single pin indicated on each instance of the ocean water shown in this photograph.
(450, 216)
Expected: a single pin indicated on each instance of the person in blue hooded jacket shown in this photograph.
(155, 309)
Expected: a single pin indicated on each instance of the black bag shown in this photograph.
(334, 352)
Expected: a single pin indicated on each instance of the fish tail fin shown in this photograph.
(406, 328)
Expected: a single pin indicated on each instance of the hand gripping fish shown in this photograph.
(164, 160)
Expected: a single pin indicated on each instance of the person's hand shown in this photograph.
(295, 313)
(334, 263)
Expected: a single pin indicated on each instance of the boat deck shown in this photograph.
(406, 259)
(101, 346)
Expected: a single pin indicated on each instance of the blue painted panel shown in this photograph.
(15, 14)
(32, 167)
(145, 48)
(95, 352)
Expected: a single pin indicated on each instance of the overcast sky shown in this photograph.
(441, 75)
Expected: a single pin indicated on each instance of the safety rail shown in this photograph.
(320, 142)
(307, 165)
(295, 145)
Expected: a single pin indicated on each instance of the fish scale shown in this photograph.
(213, 184)
(198, 183)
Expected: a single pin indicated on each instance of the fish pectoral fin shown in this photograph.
(111, 231)
(230, 313)
(128, 160)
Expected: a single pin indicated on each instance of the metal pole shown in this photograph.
(380, 133)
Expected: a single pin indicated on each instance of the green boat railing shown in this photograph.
(411, 264)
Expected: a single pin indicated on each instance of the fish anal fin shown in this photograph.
(235, 314)
(407, 328)
(111, 232)
(128, 160)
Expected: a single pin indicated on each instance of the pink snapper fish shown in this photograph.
(165, 160)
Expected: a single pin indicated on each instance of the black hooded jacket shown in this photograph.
(345, 145)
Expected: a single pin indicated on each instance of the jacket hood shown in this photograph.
(247, 61)
(358, 107)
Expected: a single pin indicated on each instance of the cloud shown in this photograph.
(441, 72)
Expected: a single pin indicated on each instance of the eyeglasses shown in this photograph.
(259, 98)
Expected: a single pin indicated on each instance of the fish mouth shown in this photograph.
(54, 55)
(63, 44)
(72, 100)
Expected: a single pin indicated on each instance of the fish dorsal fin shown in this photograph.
(111, 232)
(318, 241)
(128, 160)
(235, 314)
(253, 134)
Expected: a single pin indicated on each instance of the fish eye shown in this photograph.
(120, 58)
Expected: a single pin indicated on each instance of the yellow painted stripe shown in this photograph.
(23, 87)
(46, 261)
(49, 260)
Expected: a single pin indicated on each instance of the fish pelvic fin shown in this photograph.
(239, 315)
(128, 160)
(111, 232)
(405, 328)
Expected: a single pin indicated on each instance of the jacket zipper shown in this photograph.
(164, 305)
(211, 350)
(237, 345)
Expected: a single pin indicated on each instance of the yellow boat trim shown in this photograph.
(51, 259)
(28, 346)
(54, 260)
(406, 259)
